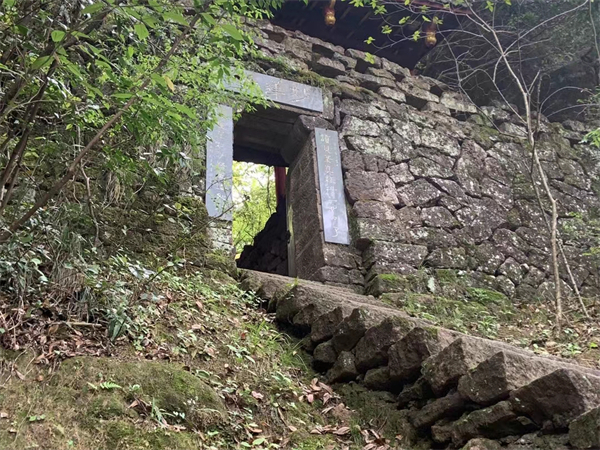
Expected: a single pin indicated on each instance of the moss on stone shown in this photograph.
(124, 435)
(107, 406)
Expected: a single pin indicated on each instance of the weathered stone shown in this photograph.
(378, 379)
(370, 186)
(444, 369)
(370, 230)
(353, 126)
(448, 258)
(399, 72)
(394, 94)
(440, 141)
(349, 63)
(325, 48)
(323, 327)
(494, 422)
(512, 269)
(328, 67)
(584, 432)
(407, 355)
(437, 108)
(500, 193)
(407, 130)
(418, 193)
(372, 82)
(468, 167)
(352, 329)
(361, 59)
(400, 174)
(381, 251)
(457, 102)
(372, 350)
(415, 95)
(364, 111)
(374, 210)
(352, 160)
(510, 244)
(380, 73)
(482, 444)
(343, 370)
(298, 48)
(324, 356)
(408, 216)
(438, 217)
(559, 397)
(512, 129)
(452, 405)
(370, 146)
(416, 391)
(494, 379)
(488, 257)
(438, 166)
(432, 237)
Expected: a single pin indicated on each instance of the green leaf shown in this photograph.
(141, 31)
(407, 2)
(92, 8)
(233, 32)
(158, 79)
(150, 21)
(123, 95)
(41, 62)
(175, 17)
(369, 40)
(426, 19)
(57, 35)
(208, 19)
(404, 20)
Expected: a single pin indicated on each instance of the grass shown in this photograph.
(201, 367)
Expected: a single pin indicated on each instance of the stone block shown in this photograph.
(374, 210)
(457, 102)
(352, 329)
(324, 356)
(418, 193)
(439, 166)
(353, 126)
(440, 141)
(372, 82)
(584, 432)
(444, 369)
(494, 422)
(400, 174)
(324, 326)
(448, 407)
(407, 130)
(391, 252)
(370, 186)
(372, 350)
(416, 96)
(328, 67)
(558, 397)
(378, 379)
(361, 59)
(364, 110)
(417, 391)
(343, 370)
(448, 258)
(370, 146)
(393, 94)
(407, 355)
(438, 217)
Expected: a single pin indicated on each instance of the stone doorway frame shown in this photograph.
(319, 144)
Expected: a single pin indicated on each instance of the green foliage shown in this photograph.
(254, 199)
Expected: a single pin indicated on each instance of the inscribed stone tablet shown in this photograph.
(219, 166)
(333, 202)
(286, 92)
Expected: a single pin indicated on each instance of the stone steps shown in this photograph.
(455, 387)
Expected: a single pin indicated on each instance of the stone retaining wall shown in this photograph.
(452, 389)
(433, 182)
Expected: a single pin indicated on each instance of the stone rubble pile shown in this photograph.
(456, 389)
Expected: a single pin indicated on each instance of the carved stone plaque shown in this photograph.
(333, 201)
(286, 92)
(219, 166)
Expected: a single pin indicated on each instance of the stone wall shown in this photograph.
(433, 182)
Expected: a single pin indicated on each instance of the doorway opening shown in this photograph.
(259, 217)
(260, 226)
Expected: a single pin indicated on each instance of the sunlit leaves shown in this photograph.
(369, 40)
(357, 3)
(57, 35)
(386, 29)
(40, 62)
(370, 58)
(232, 31)
(404, 20)
(176, 17)
(141, 31)
(416, 35)
(94, 7)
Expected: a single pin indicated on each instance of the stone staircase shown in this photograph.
(455, 388)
